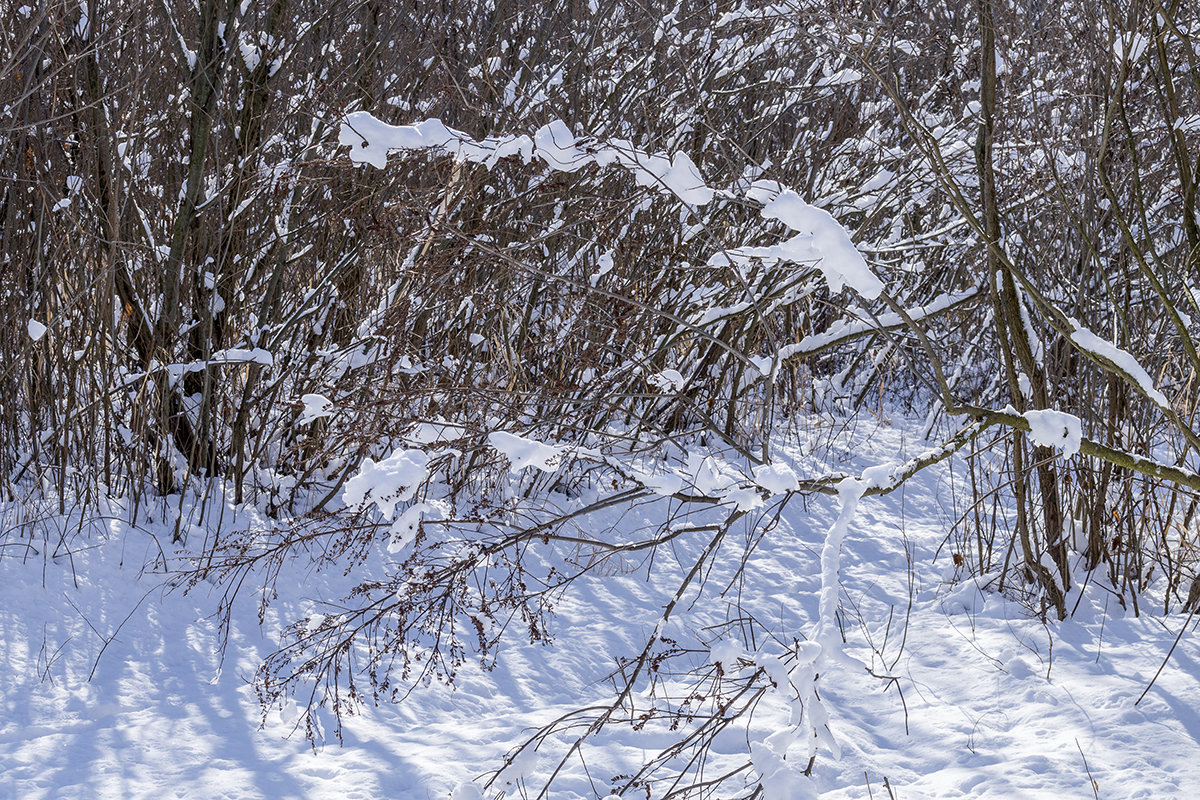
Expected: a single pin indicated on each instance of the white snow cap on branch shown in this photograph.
(669, 380)
(388, 482)
(727, 652)
(1089, 342)
(846, 328)
(233, 355)
(316, 406)
(369, 141)
(1130, 47)
(522, 452)
(776, 478)
(820, 238)
(1055, 429)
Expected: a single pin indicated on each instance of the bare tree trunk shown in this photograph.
(1014, 339)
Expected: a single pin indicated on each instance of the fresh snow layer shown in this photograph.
(1058, 429)
(819, 238)
(822, 240)
(315, 406)
(1089, 342)
(522, 452)
(370, 140)
(112, 683)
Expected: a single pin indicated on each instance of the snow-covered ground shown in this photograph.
(112, 684)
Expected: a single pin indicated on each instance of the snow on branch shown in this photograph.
(1059, 429)
(370, 140)
(1121, 458)
(1124, 361)
(844, 330)
(522, 452)
(819, 238)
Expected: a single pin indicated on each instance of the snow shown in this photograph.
(112, 682)
(781, 779)
(251, 56)
(594, 500)
(669, 381)
(822, 240)
(846, 329)
(850, 492)
(556, 146)
(406, 526)
(316, 406)
(74, 186)
(777, 478)
(1057, 429)
(1089, 342)
(663, 484)
(764, 191)
(680, 176)
(393, 480)
(604, 265)
(727, 653)
(1130, 47)
(522, 452)
(370, 140)
(438, 431)
(842, 77)
(83, 28)
(233, 355)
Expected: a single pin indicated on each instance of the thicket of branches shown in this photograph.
(202, 253)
